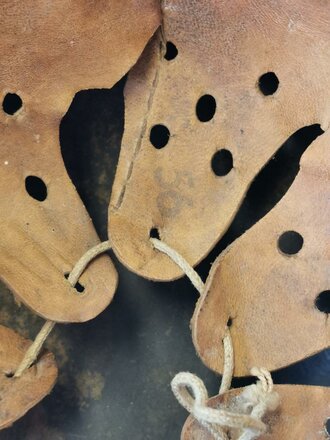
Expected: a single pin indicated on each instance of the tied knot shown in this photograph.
(261, 396)
(244, 415)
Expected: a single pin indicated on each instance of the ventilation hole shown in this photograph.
(9, 374)
(290, 242)
(222, 162)
(327, 427)
(79, 287)
(159, 136)
(268, 83)
(205, 108)
(154, 233)
(11, 103)
(171, 51)
(230, 322)
(322, 303)
(36, 188)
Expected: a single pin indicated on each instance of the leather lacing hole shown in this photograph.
(11, 103)
(290, 242)
(268, 83)
(205, 108)
(322, 302)
(171, 51)
(222, 162)
(36, 188)
(79, 287)
(159, 136)
(154, 233)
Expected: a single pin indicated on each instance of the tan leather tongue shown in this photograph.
(201, 119)
(273, 282)
(48, 52)
(18, 395)
(302, 414)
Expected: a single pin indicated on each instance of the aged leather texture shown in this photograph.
(223, 50)
(277, 302)
(18, 395)
(302, 414)
(49, 50)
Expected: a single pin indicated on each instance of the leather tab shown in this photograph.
(48, 52)
(203, 117)
(19, 395)
(273, 282)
